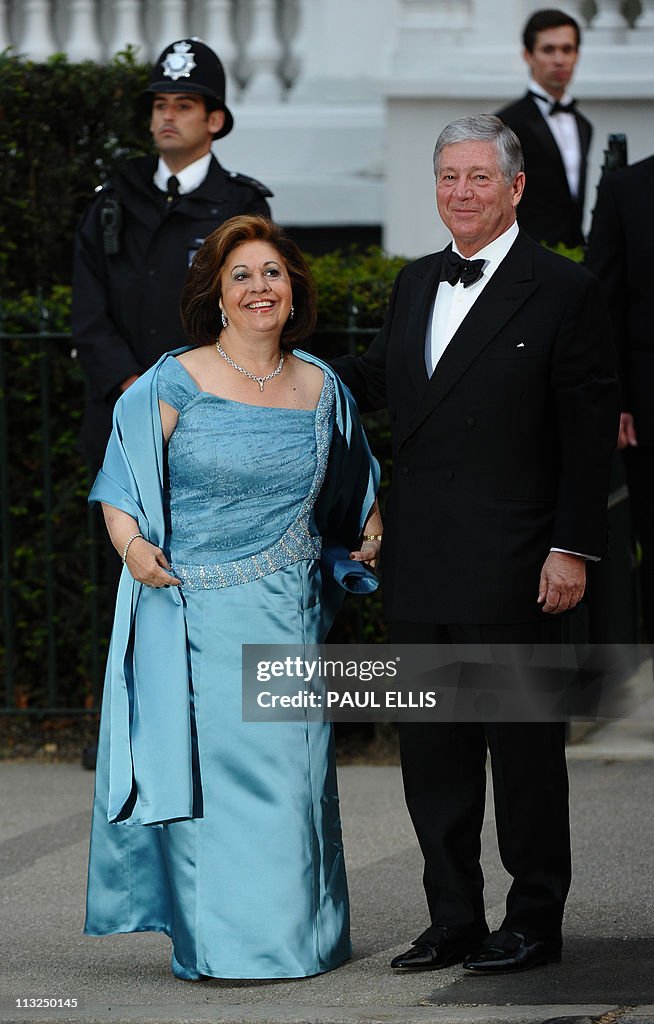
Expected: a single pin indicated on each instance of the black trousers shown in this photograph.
(444, 773)
(639, 467)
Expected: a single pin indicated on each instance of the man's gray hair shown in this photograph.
(484, 128)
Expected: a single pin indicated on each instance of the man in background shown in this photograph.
(620, 251)
(554, 136)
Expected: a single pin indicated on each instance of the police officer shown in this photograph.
(138, 237)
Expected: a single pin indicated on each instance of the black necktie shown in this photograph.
(454, 268)
(173, 189)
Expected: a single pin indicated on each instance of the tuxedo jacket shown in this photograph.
(548, 212)
(621, 254)
(505, 451)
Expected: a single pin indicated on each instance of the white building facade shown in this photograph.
(337, 103)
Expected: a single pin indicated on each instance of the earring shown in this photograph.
(291, 313)
(223, 317)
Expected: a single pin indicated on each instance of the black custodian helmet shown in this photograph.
(191, 66)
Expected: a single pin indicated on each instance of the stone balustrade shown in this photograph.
(266, 47)
(252, 37)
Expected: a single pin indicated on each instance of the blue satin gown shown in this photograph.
(254, 885)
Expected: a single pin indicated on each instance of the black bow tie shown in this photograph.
(562, 108)
(454, 268)
(555, 106)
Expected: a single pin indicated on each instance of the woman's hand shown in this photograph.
(147, 564)
(368, 553)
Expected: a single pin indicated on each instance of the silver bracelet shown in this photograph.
(126, 548)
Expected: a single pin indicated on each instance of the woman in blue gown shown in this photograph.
(229, 464)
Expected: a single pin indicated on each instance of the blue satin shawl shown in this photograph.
(147, 692)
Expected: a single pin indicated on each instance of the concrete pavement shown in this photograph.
(607, 973)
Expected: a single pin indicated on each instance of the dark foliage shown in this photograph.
(63, 128)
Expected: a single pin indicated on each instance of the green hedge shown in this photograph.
(62, 128)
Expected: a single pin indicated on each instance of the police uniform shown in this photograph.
(126, 305)
(133, 249)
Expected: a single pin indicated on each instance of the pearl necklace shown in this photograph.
(241, 369)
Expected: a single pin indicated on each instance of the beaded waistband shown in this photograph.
(292, 547)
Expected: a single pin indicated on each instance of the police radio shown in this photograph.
(111, 218)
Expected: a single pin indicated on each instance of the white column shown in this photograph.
(291, 38)
(264, 53)
(171, 24)
(83, 41)
(306, 46)
(5, 41)
(219, 32)
(609, 24)
(643, 32)
(38, 41)
(128, 28)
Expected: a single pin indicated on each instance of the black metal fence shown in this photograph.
(52, 617)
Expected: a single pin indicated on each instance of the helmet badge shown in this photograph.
(180, 63)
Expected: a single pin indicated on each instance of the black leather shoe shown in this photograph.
(446, 949)
(504, 951)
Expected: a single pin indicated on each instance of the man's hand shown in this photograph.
(562, 582)
(627, 433)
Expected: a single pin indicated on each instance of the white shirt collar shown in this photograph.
(495, 251)
(189, 178)
(543, 95)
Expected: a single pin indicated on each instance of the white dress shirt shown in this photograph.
(189, 177)
(453, 302)
(563, 127)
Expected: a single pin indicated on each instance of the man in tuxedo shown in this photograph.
(620, 249)
(496, 367)
(554, 136)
